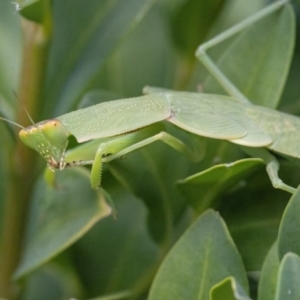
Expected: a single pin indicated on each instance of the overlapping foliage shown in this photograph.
(210, 230)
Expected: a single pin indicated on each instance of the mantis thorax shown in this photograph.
(50, 139)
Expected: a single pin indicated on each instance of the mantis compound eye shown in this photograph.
(55, 132)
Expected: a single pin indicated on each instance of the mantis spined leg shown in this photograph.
(106, 150)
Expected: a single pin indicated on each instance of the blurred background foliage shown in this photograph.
(62, 242)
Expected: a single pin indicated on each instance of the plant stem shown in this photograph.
(22, 161)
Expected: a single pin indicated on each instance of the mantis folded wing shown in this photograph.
(121, 126)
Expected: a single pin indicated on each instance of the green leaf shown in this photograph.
(34, 10)
(288, 278)
(82, 42)
(55, 280)
(253, 213)
(196, 263)
(164, 202)
(191, 23)
(228, 289)
(268, 278)
(289, 230)
(258, 60)
(10, 58)
(117, 247)
(60, 216)
(150, 49)
(203, 189)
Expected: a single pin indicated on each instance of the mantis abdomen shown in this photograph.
(284, 129)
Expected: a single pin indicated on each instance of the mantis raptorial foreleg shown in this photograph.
(201, 54)
(109, 150)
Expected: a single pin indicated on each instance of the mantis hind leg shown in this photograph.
(272, 167)
(210, 65)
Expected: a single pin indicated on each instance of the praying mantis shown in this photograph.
(115, 128)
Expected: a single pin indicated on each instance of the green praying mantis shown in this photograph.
(115, 128)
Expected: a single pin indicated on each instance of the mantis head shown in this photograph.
(50, 139)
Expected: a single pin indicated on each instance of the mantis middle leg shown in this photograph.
(272, 167)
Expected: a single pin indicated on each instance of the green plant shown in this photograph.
(60, 241)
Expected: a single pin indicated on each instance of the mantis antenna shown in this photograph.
(24, 108)
(26, 111)
(12, 122)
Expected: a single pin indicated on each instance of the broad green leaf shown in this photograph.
(60, 216)
(289, 230)
(253, 211)
(55, 280)
(120, 248)
(149, 47)
(203, 189)
(288, 278)
(84, 36)
(258, 60)
(228, 289)
(268, 278)
(196, 263)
